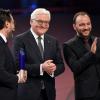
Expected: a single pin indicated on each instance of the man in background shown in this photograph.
(82, 54)
(8, 77)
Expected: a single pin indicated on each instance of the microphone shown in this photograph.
(22, 59)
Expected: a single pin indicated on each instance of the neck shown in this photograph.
(84, 37)
(3, 32)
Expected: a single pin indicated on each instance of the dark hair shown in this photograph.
(80, 13)
(5, 15)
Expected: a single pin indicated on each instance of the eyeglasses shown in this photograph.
(40, 22)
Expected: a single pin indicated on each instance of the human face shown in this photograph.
(40, 24)
(83, 25)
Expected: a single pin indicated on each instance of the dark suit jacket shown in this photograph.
(31, 89)
(84, 65)
(8, 81)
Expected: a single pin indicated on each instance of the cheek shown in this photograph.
(90, 28)
(12, 26)
(79, 29)
(42, 30)
(47, 26)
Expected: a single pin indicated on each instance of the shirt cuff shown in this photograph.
(52, 75)
(41, 71)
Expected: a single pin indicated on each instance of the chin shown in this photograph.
(86, 34)
(42, 32)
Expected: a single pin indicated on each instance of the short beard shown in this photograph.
(10, 36)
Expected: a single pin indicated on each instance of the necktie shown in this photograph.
(40, 46)
(41, 51)
(86, 43)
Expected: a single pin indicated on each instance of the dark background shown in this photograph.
(61, 27)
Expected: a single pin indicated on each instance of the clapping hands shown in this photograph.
(94, 46)
(48, 66)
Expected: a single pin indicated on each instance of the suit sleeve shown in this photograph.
(77, 64)
(32, 68)
(6, 78)
(58, 60)
(98, 51)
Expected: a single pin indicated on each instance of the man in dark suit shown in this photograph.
(8, 77)
(43, 60)
(82, 54)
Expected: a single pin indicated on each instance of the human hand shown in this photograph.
(49, 66)
(22, 76)
(94, 46)
(52, 67)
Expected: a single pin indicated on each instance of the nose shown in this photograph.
(86, 27)
(45, 25)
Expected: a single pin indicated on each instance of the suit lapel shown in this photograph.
(80, 48)
(47, 46)
(1, 40)
(9, 55)
(34, 45)
(81, 44)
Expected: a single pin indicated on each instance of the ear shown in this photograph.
(31, 21)
(6, 24)
(74, 26)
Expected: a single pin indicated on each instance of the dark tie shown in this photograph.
(41, 51)
(86, 43)
(40, 45)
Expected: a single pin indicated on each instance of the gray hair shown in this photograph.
(40, 11)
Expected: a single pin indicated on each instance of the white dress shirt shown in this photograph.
(3, 37)
(42, 42)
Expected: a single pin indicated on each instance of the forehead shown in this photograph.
(43, 15)
(82, 19)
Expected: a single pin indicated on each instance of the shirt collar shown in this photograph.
(3, 37)
(35, 35)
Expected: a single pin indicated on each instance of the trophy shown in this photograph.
(22, 59)
(22, 72)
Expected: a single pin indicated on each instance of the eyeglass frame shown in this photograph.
(40, 22)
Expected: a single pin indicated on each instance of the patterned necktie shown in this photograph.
(40, 45)
(86, 43)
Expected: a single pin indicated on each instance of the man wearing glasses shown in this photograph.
(43, 60)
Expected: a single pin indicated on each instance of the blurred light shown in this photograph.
(33, 5)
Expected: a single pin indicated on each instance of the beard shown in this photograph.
(10, 36)
(83, 34)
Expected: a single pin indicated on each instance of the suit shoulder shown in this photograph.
(70, 41)
(51, 38)
(22, 35)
